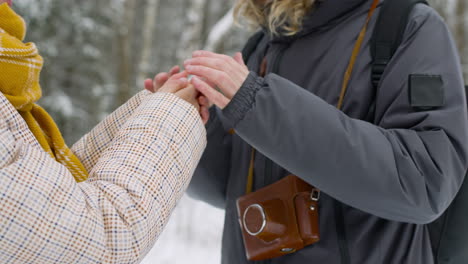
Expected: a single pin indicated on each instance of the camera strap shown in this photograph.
(344, 88)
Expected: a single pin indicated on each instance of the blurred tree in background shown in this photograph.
(455, 13)
(97, 54)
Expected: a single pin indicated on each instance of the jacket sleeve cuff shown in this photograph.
(243, 101)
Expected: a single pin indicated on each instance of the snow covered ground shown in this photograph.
(193, 235)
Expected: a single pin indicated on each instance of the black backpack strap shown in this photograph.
(387, 37)
(251, 45)
(388, 34)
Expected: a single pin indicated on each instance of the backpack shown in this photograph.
(449, 239)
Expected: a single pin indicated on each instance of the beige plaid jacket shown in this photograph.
(140, 160)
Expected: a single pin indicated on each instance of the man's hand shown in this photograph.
(176, 82)
(226, 73)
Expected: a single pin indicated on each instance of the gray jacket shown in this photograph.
(382, 179)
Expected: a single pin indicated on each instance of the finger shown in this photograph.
(219, 78)
(189, 94)
(194, 102)
(174, 70)
(179, 75)
(149, 85)
(239, 58)
(234, 66)
(163, 77)
(209, 54)
(160, 80)
(225, 59)
(174, 85)
(211, 94)
(191, 91)
(208, 82)
(205, 114)
(213, 63)
(202, 100)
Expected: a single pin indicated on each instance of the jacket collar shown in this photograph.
(324, 14)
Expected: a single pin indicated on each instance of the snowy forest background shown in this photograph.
(97, 54)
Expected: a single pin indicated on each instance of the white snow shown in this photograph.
(59, 101)
(193, 235)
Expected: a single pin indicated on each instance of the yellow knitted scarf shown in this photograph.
(20, 67)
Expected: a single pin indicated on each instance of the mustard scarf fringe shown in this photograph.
(20, 67)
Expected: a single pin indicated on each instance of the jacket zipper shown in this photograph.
(339, 216)
(269, 163)
(275, 69)
(341, 233)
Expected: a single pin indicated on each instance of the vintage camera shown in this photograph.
(279, 219)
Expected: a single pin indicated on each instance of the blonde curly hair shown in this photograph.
(280, 17)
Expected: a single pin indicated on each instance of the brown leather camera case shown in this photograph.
(279, 219)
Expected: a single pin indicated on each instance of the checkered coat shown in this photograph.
(140, 160)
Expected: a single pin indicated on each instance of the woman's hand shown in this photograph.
(227, 73)
(160, 79)
(176, 82)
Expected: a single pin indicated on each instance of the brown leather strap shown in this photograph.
(250, 177)
(263, 67)
(347, 78)
(357, 49)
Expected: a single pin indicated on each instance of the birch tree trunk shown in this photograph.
(151, 12)
(124, 40)
(219, 32)
(192, 36)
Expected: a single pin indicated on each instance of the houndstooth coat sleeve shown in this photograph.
(140, 161)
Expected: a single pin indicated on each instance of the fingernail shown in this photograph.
(189, 67)
(183, 79)
(196, 53)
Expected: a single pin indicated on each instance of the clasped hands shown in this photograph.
(210, 72)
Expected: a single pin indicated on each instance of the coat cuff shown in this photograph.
(243, 101)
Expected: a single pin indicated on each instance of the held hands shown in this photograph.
(176, 82)
(211, 69)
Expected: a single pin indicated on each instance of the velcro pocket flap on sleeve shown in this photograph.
(426, 92)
